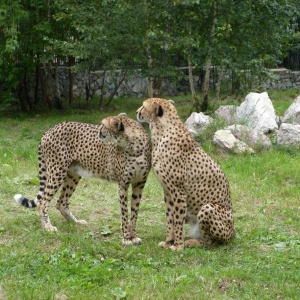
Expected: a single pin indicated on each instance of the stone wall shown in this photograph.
(101, 83)
(283, 79)
(135, 85)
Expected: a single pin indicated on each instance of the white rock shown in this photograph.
(292, 115)
(257, 112)
(251, 137)
(227, 141)
(227, 112)
(197, 122)
(288, 135)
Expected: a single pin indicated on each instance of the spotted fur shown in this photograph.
(195, 187)
(117, 150)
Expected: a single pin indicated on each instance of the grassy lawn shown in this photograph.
(89, 262)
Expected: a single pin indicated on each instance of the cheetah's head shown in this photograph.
(123, 131)
(154, 109)
(112, 128)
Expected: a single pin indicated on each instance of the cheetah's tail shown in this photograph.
(24, 201)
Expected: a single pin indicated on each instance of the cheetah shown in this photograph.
(195, 188)
(118, 150)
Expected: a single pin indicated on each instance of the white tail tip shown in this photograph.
(18, 198)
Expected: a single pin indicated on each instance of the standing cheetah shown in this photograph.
(195, 187)
(117, 150)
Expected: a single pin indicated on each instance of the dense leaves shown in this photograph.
(155, 36)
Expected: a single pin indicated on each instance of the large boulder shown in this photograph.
(227, 141)
(292, 115)
(227, 112)
(288, 135)
(253, 138)
(257, 112)
(197, 122)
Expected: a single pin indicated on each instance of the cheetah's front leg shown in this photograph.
(175, 213)
(137, 190)
(123, 194)
(169, 219)
(179, 218)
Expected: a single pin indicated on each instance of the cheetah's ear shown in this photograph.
(119, 125)
(159, 110)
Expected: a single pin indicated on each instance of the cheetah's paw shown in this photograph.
(177, 247)
(49, 227)
(82, 222)
(127, 242)
(136, 241)
(165, 245)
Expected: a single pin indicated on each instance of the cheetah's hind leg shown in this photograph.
(67, 189)
(214, 226)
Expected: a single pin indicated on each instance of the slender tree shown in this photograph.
(204, 104)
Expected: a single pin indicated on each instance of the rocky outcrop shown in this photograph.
(249, 124)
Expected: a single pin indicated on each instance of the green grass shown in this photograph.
(89, 262)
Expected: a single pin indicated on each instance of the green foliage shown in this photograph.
(154, 36)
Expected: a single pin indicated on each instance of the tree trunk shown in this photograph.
(21, 98)
(44, 75)
(102, 89)
(196, 102)
(26, 94)
(150, 78)
(86, 84)
(204, 104)
(71, 62)
(149, 57)
(87, 94)
(221, 69)
(57, 97)
(36, 87)
(112, 95)
(53, 86)
(157, 84)
(219, 82)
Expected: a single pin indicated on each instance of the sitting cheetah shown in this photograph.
(195, 188)
(117, 150)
